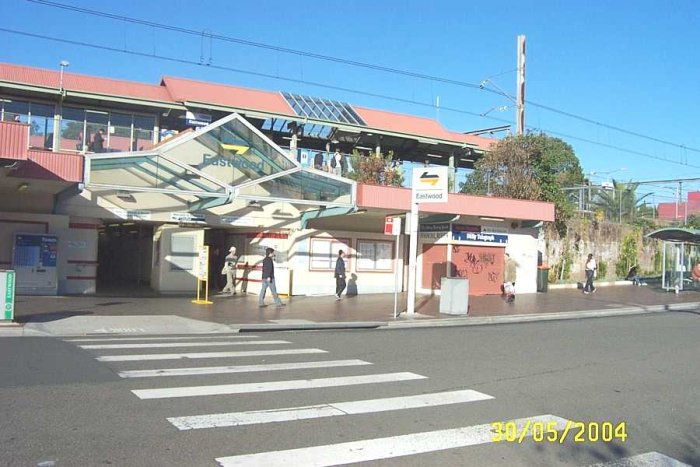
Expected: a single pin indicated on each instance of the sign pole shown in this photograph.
(396, 232)
(412, 256)
(203, 276)
(428, 185)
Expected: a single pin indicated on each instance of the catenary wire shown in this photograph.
(355, 63)
(327, 86)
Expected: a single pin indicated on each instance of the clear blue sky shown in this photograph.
(631, 64)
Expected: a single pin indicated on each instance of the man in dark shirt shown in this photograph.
(268, 278)
(339, 275)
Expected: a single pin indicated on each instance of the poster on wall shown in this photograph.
(35, 260)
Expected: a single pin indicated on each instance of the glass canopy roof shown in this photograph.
(227, 159)
(323, 109)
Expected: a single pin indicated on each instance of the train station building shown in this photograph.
(108, 184)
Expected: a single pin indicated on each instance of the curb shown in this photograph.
(563, 315)
(310, 326)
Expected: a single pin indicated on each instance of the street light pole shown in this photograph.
(63, 64)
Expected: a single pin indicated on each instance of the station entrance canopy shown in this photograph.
(227, 160)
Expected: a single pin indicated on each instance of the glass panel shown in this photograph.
(232, 153)
(143, 132)
(149, 171)
(323, 108)
(72, 129)
(96, 124)
(303, 185)
(120, 132)
(41, 126)
(15, 111)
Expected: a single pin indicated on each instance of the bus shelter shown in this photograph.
(680, 252)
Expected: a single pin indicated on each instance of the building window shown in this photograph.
(73, 129)
(97, 131)
(374, 255)
(324, 252)
(41, 118)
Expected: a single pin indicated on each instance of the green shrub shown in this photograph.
(602, 269)
(628, 255)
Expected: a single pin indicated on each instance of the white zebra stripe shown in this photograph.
(648, 459)
(213, 370)
(382, 448)
(244, 388)
(176, 344)
(197, 355)
(327, 410)
(176, 338)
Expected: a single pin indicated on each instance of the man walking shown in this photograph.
(268, 279)
(591, 272)
(339, 274)
(230, 266)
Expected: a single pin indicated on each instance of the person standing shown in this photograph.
(230, 266)
(268, 279)
(510, 275)
(337, 163)
(591, 272)
(339, 274)
(98, 141)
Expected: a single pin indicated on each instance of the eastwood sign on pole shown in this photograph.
(429, 185)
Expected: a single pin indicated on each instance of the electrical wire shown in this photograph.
(326, 86)
(354, 63)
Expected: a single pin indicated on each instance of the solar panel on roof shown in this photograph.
(323, 109)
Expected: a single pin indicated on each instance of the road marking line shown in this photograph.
(327, 410)
(244, 388)
(178, 338)
(176, 344)
(648, 459)
(213, 370)
(197, 355)
(381, 448)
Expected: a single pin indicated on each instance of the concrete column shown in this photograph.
(451, 175)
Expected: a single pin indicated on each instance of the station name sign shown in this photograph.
(429, 185)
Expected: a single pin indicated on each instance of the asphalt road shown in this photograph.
(59, 404)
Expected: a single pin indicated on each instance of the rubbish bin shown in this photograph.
(7, 295)
(542, 279)
(454, 296)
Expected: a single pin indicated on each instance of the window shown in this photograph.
(72, 129)
(120, 132)
(15, 111)
(374, 255)
(143, 133)
(324, 252)
(41, 126)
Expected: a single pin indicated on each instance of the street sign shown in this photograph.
(392, 225)
(7, 295)
(429, 185)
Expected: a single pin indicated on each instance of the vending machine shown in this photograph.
(34, 259)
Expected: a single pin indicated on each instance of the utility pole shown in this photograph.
(520, 97)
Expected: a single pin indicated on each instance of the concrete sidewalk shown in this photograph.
(77, 315)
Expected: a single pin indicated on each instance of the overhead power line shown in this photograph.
(354, 63)
(323, 85)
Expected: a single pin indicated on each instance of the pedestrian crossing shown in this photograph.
(129, 355)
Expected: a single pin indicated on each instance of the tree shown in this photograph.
(620, 203)
(376, 169)
(506, 171)
(532, 166)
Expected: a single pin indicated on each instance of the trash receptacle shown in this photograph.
(542, 279)
(454, 296)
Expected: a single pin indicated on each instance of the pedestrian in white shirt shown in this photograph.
(591, 273)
